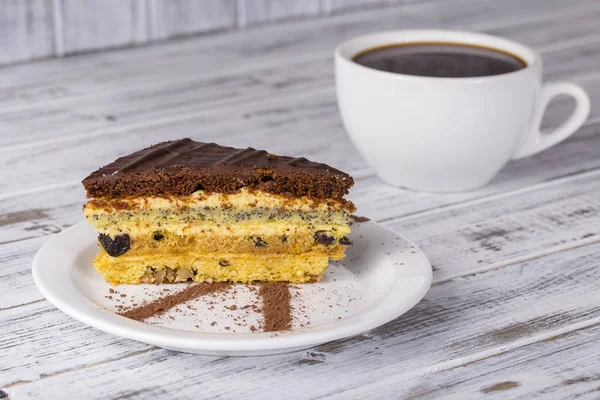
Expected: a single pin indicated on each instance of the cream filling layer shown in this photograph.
(244, 213)
(147, 229)
(243, 199)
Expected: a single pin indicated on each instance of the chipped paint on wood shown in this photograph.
(501, 387)
(22, 216)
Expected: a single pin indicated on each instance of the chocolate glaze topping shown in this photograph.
(183, 166)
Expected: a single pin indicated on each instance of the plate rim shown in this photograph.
(89, 313)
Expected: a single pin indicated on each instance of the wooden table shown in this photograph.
(514, 311)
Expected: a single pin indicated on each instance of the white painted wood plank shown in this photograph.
(141, 21)
(40, 214)
(80, 120)
(83, 157)
(305, 37)
(26, 158)
(504, 229)
(99, 24)
(135, 96)
(26, 30)
(472, 317)
(254, 12)
(144, 104)
(461, 320)
(98, 105)
(16, 283)
(170, 18)
(46, 326)
(337, 6)
(572, 27)
(147, 106)
(561, 367)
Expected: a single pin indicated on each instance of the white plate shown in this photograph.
(382, 277)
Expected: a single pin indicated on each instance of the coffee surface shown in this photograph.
(442, 60)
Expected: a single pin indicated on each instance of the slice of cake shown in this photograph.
(185, 210)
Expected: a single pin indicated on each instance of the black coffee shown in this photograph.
(443, 60)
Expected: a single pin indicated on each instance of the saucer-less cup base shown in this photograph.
(447, 134)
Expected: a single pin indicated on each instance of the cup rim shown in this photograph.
(345, 54)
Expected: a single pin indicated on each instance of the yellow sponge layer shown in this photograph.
(213, 267)
(258, 241)
(213, 237)
(199, 213)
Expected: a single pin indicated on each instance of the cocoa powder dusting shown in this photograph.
(358, 218)
(276, 306)
(163, 304)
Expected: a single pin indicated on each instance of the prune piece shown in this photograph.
(259, 242)
(158, 236)
(345, 241)
(117, 246)
(322, 237)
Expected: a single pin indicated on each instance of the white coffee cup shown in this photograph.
(447, 134)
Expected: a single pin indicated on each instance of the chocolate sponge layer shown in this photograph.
(184, 166)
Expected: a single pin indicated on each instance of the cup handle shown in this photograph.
(538, 140)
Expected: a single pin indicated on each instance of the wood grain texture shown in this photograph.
(393, 6)
(95, 24)
(336, 6)
(171, 18)
(194, 95)
(26, 30)
(527, 372)
(460, 321)
(500, 230)
(143, 91)
(254, 12)
(512, 313)
(99, 24)
(16, 282)
(304, 36)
